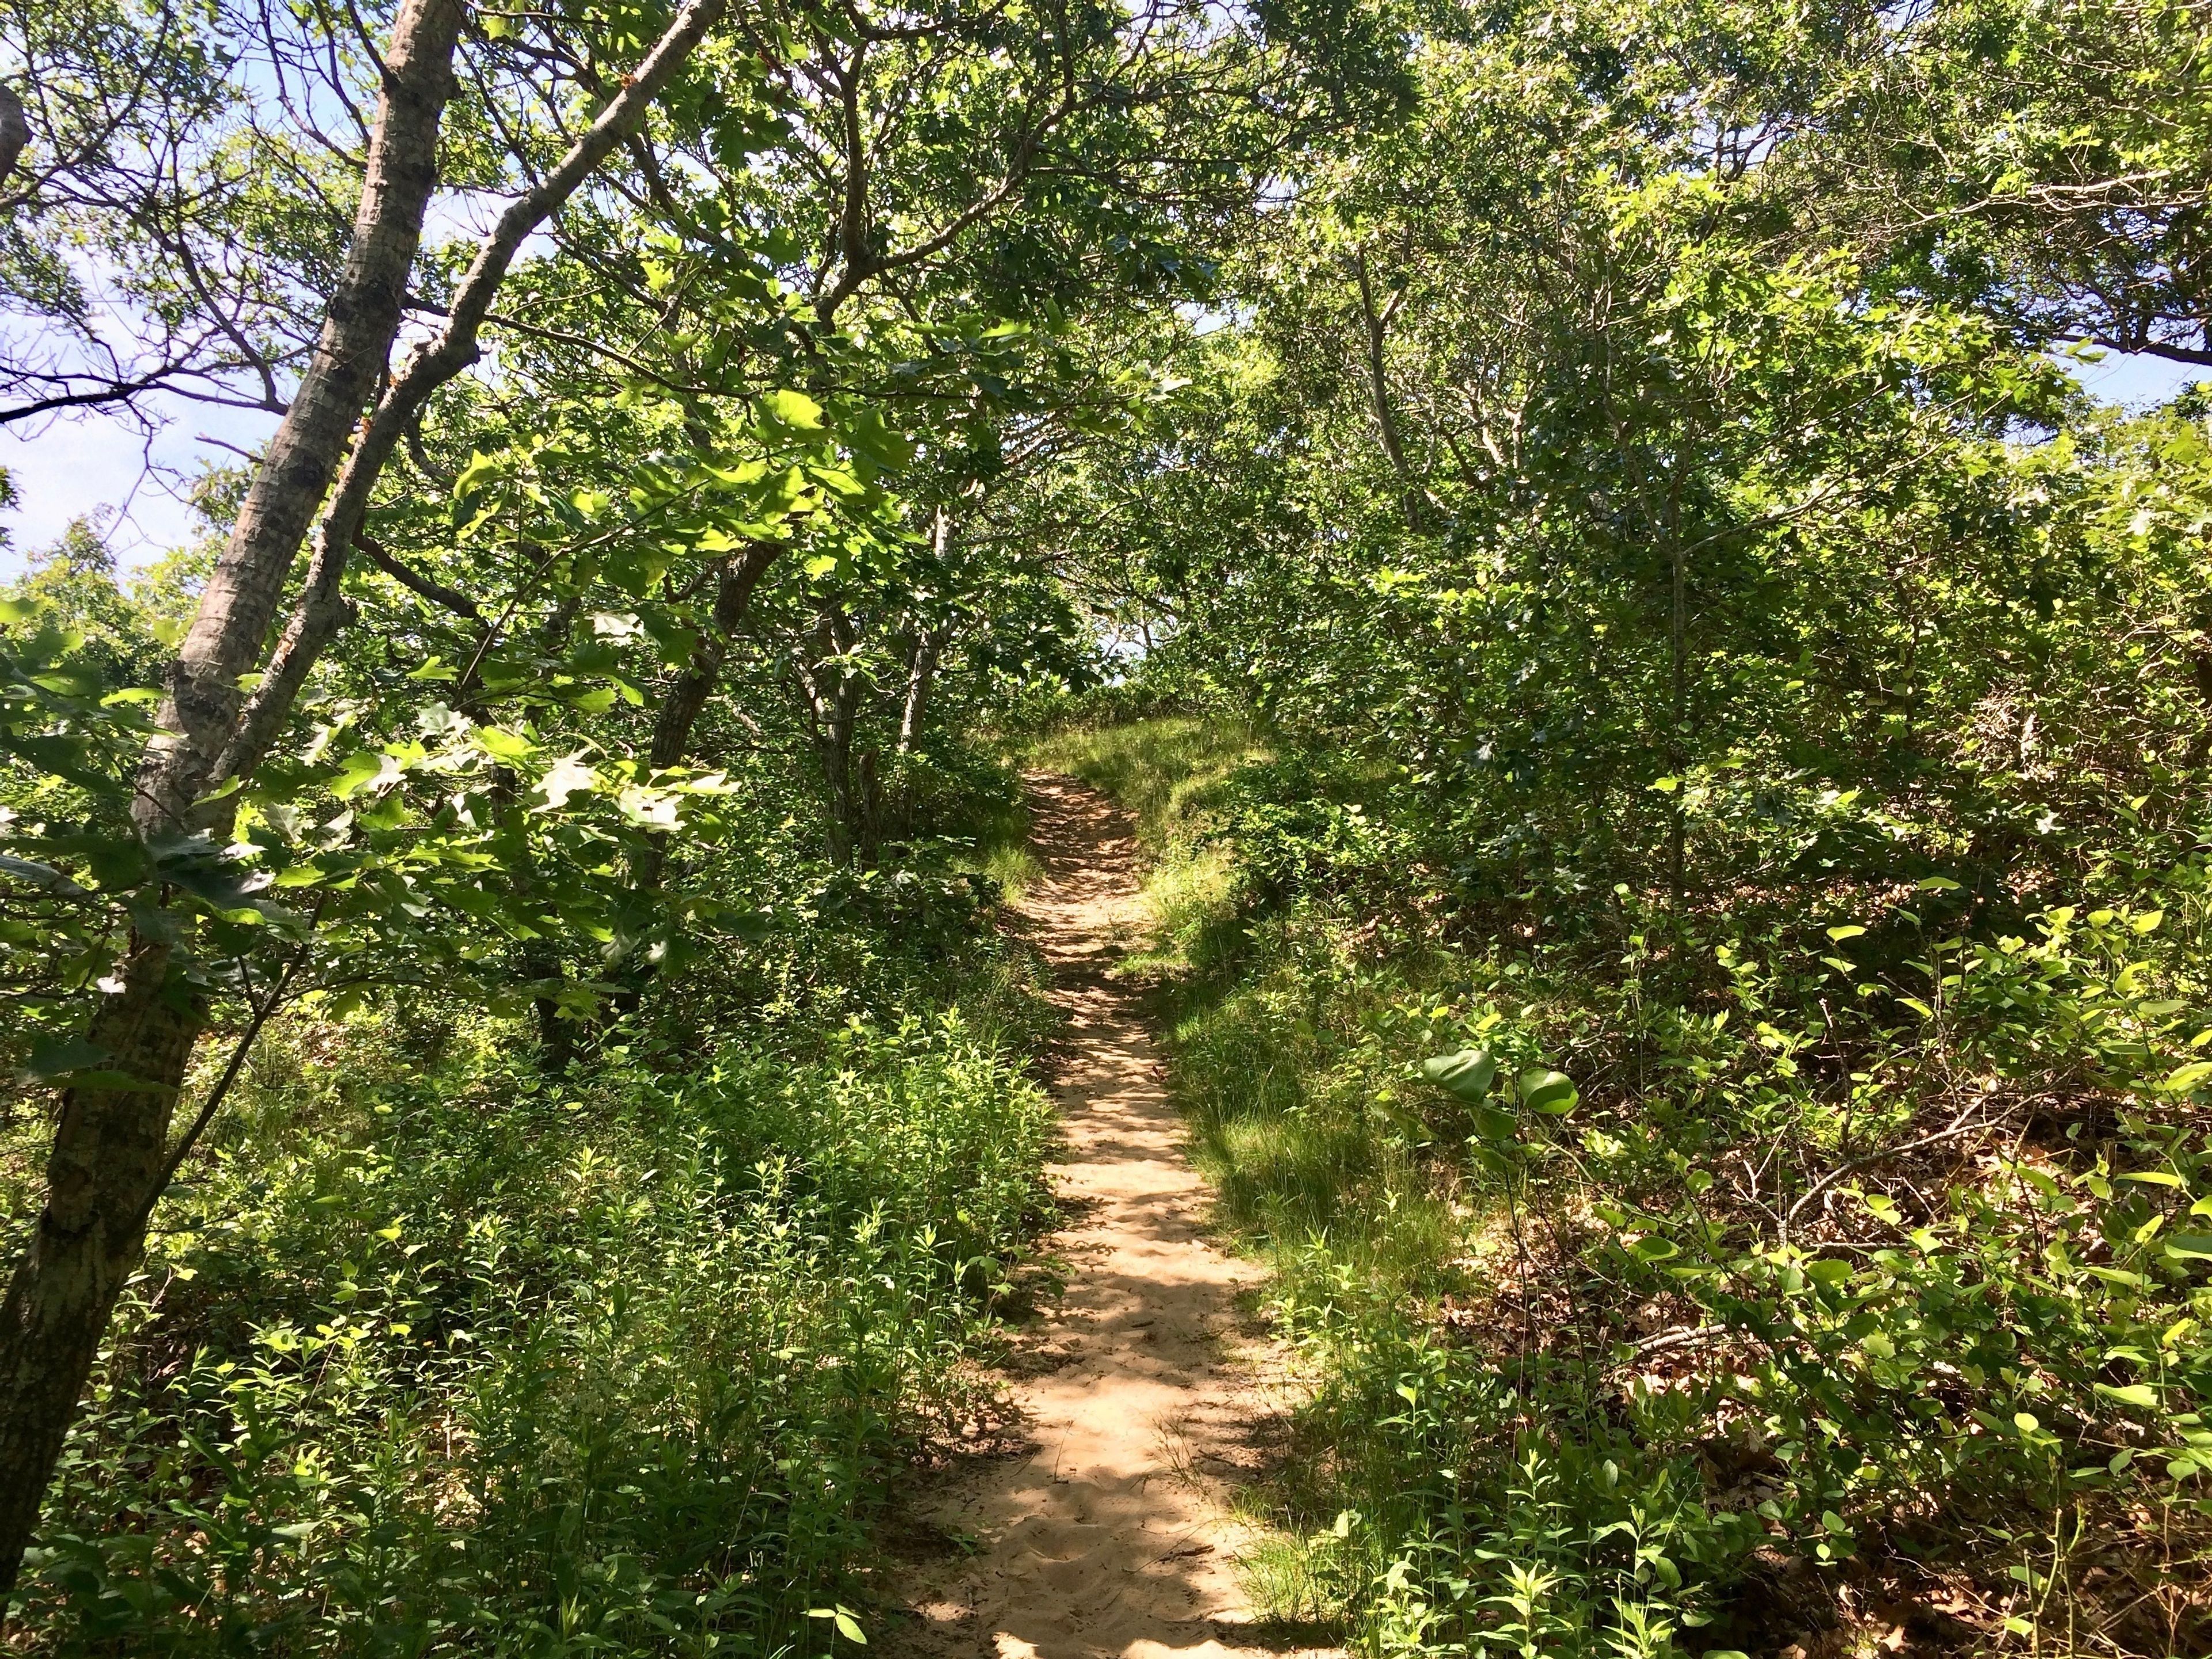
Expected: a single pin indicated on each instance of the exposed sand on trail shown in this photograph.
(1111, 1537)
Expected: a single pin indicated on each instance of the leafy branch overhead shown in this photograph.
(1669, 731)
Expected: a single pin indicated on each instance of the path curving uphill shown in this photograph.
(1110, 1536)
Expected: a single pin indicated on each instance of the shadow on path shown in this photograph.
(1110, 1537)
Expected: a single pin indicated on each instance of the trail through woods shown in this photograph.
(1108, 1534)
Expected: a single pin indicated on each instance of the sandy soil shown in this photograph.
(1110, 1537)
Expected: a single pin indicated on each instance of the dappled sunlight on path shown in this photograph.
(1110, 1535)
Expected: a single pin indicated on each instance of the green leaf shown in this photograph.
(363, 768)
(1493, 1124)
(793, 409)
(567, 776)
(847, 1626)
(502, 744)
(1467, 1075)
(57, 1057)
(1840, 934)
(42, 876)
(2130, 1393)
(1548, 1092)
(479, 471)
(837, 481)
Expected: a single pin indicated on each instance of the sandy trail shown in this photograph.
(1111, 1537)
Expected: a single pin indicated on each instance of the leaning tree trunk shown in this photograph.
(110, 1156)
(687, 698)
(110, 1143)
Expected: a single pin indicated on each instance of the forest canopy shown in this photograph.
(1671, 735)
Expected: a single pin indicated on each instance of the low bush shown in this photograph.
(434, 1356)
(1722, 1280)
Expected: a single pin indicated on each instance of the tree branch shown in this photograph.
(321, 608)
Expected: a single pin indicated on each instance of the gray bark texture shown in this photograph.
(110, 1156)
(110, 1147)
(321, 607)
(15, 131)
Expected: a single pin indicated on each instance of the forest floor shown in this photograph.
(1145, 1392)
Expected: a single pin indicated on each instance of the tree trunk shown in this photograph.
(687, 698)
(102, 1183)
(105, 1168)
(920, 677)
(1677, 714)
(239, 603)
(109, 1149)
(15, 131)
(321, 608)
(833, 693)
(1378, 385)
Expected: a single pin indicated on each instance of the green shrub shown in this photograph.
(459, 1361)
(1753, 1266)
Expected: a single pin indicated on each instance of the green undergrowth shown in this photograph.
(1169, 771)
(1694, 1301)
(436, 1355)
(988, 830)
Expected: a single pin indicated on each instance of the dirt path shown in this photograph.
(1110, 1536)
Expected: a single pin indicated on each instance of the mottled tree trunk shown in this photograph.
(102, 1181)
(110, 1143)
(109, 1150)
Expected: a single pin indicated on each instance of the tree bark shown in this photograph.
(321, 607)
(920, 676)
(1378, 385)
(922, 653)
(687, 698)
(109, 1142)
(289, 486)
(102, 1183)
(833, 698)
(110, 1147)
(15, 131)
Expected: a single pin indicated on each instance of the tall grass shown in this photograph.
(1168, 771)
(434, 1356)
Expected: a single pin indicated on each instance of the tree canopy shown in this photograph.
(1703, 714)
